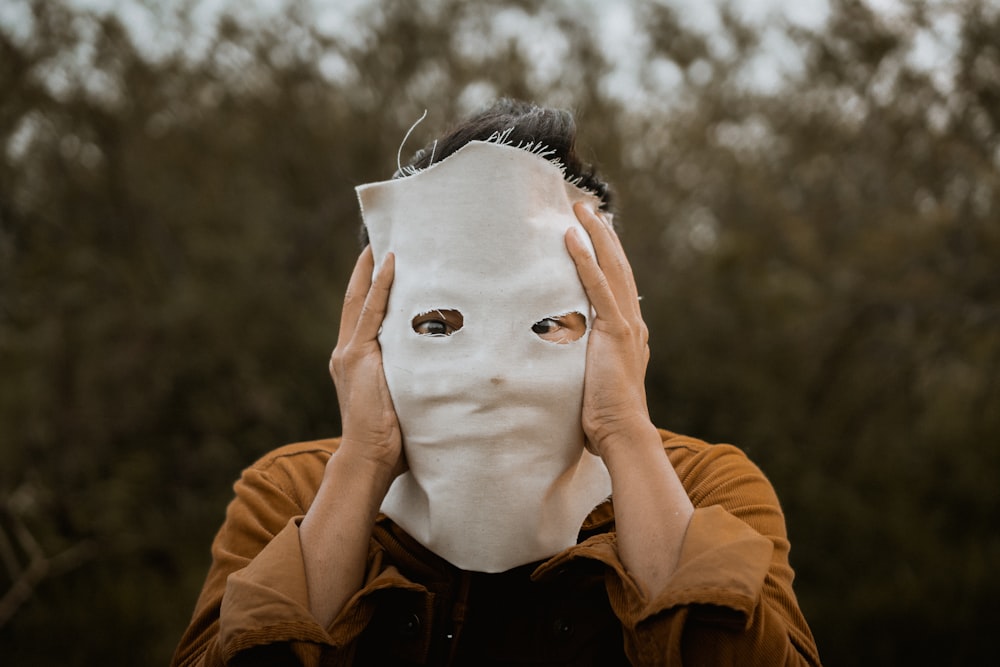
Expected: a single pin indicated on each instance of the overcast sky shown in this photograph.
(619, 35)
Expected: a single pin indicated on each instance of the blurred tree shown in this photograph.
(833, 305)
(817, 260)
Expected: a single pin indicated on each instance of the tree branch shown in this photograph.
(39, 567)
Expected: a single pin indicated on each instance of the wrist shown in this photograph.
(631, 445)
(356, 461)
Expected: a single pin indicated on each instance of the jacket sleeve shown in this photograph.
(730, 600)
(254, 606)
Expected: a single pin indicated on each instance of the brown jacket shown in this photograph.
(730, 601)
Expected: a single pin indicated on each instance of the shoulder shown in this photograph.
(684, 447)
(698, 462)
(712, 474)
(298, 454)
(294, 471)
(722, 474)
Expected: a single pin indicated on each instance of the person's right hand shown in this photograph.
(370, 427)
(335, 532)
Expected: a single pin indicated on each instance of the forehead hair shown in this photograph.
(522, 124)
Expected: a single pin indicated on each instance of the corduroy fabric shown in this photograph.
(730, 600)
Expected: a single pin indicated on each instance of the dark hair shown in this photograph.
(521, 123)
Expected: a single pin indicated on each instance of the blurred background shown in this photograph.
(809, 193)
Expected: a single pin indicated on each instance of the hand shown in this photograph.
(614, 394)
(652, 508)
(370, 427)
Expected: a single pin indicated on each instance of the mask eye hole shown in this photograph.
(561, 329)
(438, 322)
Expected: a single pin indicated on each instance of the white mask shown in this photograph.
(490, 415)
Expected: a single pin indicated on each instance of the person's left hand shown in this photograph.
(614, 394)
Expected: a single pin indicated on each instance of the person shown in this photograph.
(499, 494)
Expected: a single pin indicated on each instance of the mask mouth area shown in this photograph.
(438, 322)
(561, 329)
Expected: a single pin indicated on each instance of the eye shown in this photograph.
(561, 328)
(438, 322)
(542, 327)
(433, 328)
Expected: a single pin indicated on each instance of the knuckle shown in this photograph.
(350, 296)
(340, 357)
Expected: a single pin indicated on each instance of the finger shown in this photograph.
(377, 301)
(610, 253)
(357, 291)
(595, 283)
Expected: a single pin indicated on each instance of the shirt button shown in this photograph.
(562, 628)
(408, 626)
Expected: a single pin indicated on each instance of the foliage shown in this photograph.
(817, 261)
